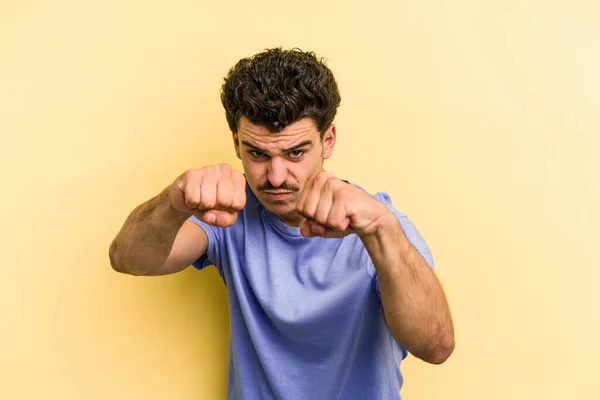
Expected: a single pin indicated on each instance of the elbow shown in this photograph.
(116, 266)
(439, 351)
(440, 356)
(116, 261)
(436, 351)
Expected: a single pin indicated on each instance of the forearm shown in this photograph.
(413, 300)
(145, 240)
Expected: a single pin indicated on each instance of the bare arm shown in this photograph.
(157, 239)
(414, 303)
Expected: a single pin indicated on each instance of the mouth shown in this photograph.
(277, 194)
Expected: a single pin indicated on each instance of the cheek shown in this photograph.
(300, 172)
(254, 171)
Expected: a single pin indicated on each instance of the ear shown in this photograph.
(329, 141)
(236, 144)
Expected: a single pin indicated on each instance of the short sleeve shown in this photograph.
(211, 257)
(410, 230)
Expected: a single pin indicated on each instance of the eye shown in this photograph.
(296, 153)
(257, 154)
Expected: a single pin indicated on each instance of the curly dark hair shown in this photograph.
(278, 87)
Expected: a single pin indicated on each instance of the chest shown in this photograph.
(302, 286)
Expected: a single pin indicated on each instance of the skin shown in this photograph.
(414, 303)
(277, 166)
(285, 172)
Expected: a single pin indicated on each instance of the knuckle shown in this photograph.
(321, 177)
(301, 209)
(192, 203)
(341, 194)
(331, 183)
(225, 198)
(209, 201)
(339, 225)
(211, 171)
(238, 177)
(207, 204)
(193, 175)
(224, 167)
(240, 201)
(187, 174)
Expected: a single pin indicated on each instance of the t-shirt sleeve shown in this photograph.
(211, 257)
(411, 232)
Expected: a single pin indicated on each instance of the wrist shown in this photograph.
(386, 242)
(384, 225)
(169, 211)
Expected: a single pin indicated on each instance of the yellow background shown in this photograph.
(480, 118)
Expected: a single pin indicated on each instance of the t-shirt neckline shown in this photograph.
(279, 225)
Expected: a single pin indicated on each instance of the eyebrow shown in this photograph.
(296, 147)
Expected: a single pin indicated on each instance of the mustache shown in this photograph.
(284, 186)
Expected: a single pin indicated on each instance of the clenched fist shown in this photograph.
(214, 194)
(334, 208)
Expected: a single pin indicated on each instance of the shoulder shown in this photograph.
(382, 196)
(408, 227)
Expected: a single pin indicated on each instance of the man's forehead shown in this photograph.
(304, 124)
(301, 130)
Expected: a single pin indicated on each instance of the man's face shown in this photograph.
(277, 165)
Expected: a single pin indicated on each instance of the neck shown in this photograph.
(293, 220)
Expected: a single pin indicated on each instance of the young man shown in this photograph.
(329, 287)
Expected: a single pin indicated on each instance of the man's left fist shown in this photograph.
(334, 208)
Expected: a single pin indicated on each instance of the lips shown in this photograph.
(277, 193)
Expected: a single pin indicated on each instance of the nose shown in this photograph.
(277, 173)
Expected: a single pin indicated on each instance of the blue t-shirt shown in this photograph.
(306, 318)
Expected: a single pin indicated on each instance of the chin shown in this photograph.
(280, 209)
(286, 213)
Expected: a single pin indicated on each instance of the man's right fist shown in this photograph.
(214, 194)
